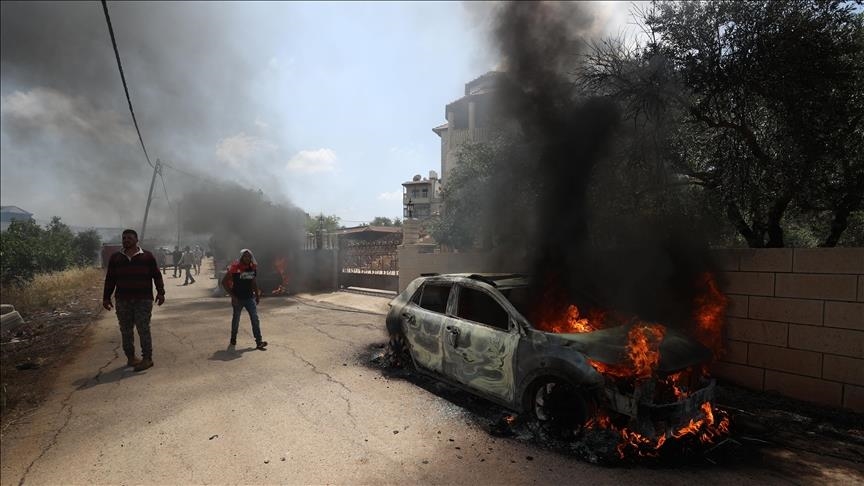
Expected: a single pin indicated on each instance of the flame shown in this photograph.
(572, 321)
(706, 430)
(281, 265)
(674, 382)
(643, 353)
(710, 314)
(643, 358)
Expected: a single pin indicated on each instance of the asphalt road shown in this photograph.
(309, 409)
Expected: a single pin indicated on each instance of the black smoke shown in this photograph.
(237, 218)
(66, 127)
(569, 134)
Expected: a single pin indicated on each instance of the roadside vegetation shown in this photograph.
(52, 291)
(57, 308)
(27, 249)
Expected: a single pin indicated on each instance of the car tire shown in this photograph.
(400, 352)
(559, 408)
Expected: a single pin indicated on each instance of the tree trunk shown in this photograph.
(775, 214)
(734, 214)
(851, 201)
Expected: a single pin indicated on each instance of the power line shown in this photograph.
(165, 188)
(123, 78)
(200, 177)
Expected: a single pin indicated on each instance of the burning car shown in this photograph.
(642, 380)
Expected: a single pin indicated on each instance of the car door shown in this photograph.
(480, 340)
(423, 323)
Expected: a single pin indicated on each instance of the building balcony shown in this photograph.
(459, 136)
(416, 200)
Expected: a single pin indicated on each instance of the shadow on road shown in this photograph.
(229, 354)
(116, 374)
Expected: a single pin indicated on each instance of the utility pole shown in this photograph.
(156, 169)
(178, 224)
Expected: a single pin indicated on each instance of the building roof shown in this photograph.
(415, 183)
(14, 210)
(488, 76)
(369, 229)
(440, 128)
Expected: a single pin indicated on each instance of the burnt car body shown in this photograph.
(467, 330)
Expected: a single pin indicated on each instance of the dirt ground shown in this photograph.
(32, 355)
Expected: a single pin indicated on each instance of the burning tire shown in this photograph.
(559, 408)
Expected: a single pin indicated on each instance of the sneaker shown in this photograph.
(261, 345)
(133, 361)
(144, 364)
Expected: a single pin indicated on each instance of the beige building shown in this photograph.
(472, 117)
(421, 196)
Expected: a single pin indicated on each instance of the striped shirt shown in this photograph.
(133, 277)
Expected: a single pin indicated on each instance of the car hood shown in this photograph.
(609, 346)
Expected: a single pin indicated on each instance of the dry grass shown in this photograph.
(57, 309)
(54, 290)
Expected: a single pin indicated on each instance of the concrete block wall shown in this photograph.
(796, 323)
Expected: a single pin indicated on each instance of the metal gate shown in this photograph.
(370, 259)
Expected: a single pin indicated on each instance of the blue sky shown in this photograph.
(329, 105)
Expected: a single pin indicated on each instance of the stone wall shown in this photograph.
(795, 321)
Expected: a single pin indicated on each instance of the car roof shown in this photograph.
(499, 280)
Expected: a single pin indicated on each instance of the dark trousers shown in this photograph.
(189, 278)
(249, 305)
(134, 314)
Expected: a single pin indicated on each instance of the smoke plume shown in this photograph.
(66, 126)
(568, 135)
(237, 218)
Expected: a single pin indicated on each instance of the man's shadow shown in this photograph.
(117, 374)
(229, 354)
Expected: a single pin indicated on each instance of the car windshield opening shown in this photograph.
(519, 297)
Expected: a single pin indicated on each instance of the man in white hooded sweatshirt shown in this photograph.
(240, 282)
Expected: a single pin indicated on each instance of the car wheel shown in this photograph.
(400, 352)
(559, 408)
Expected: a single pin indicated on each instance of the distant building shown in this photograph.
(13, 213)
(421, 197)
(473, 117)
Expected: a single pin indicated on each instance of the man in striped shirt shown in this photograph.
(132, 272)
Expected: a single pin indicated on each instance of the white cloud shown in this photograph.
(239, 150)
(261, 124)
(321, 160)
(390, 196)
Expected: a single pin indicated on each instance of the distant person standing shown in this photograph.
(132, 273)
(160, 259)
(199, 255)
(176, 255)
(240, 282)
(186, 262)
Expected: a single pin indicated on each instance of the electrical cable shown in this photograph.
(165, 188)
(201, 178)
(123, 78)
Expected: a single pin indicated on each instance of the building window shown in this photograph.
(414, 193)
(425, 192)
